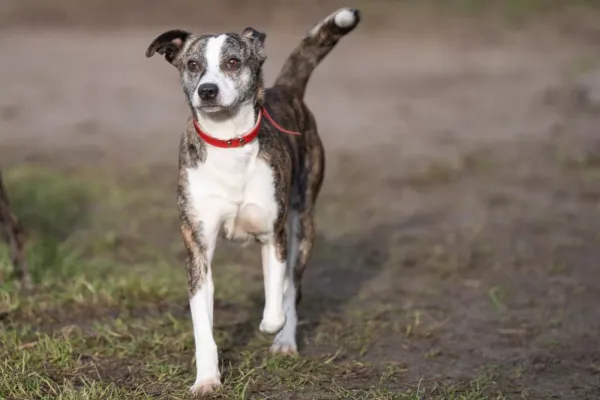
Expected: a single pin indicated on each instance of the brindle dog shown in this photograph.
(244, 177)
(15, 236)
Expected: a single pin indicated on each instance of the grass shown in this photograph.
(573, 157)
(108, 318)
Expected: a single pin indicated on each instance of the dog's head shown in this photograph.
(218, 72)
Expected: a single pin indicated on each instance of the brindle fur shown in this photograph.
(15, 235)
(298, 162)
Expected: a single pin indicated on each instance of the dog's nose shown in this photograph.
(208, 91)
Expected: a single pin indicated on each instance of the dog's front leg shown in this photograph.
(274, 257)
(199, 236)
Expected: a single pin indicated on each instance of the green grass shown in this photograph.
(108, 319)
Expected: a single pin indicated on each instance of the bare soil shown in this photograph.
(461, 201)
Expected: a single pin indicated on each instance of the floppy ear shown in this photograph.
(258, 39)
(169, 44)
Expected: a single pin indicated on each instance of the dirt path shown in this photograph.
(461, 200)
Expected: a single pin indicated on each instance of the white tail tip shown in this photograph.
(345, 18)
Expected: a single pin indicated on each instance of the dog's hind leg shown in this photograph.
(301, 227)
(302, 237)
(15, 235)
(306, 241)
(285, 341)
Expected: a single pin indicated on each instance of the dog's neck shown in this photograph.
(228, 124)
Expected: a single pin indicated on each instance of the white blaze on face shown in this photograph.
(228, 92)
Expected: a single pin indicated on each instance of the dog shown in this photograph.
(244, 177)
(15, 236)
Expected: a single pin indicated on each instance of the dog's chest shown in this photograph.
(224, 173)
(238, 187)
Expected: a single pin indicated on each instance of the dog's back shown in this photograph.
(285, 102)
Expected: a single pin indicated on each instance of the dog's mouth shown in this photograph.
(212, 108)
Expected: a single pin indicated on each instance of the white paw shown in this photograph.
(204, 387)
(272, 325)
(346, 17)
(284, 348)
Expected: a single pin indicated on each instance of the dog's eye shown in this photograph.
(233, 63)
(193, 66)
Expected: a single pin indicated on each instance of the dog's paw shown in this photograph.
(203, 387)
(272, 326)
(284, 348)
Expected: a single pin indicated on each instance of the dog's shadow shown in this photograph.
(337, 272)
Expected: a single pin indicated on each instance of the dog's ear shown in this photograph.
(258, 39)
(169, 44)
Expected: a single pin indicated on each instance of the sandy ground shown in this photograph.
(469, 163)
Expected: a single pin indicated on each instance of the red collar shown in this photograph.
(241, 140)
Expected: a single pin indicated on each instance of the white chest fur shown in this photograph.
(233, 190)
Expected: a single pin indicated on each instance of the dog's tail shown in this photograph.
(314, 47)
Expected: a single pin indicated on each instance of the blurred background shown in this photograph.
(458, 225)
